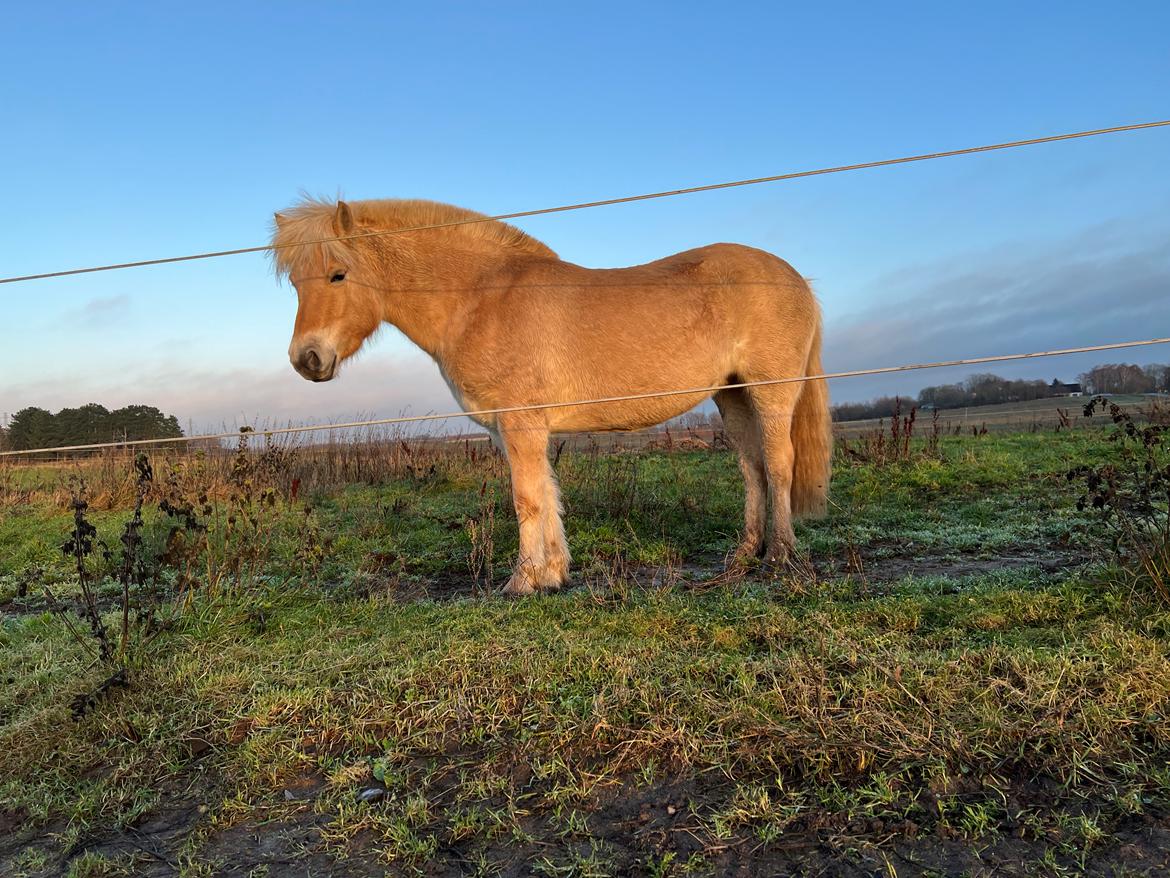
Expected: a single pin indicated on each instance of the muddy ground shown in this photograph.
(633, 826)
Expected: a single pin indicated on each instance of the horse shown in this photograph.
(509, 323)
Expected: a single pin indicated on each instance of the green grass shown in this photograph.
(650, 507)
(764, 706)
(805, 702)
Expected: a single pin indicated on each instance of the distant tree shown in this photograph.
(987, 389)
(1117, 378)
(143, 422)
(1158, 374)
(882, 407)
(984, 389)
(83, 425)
(694, 420)
(944, 396)
(32, 428)
(88, 424)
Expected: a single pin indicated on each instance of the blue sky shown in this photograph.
(133, 131)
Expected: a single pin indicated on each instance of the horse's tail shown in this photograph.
(812, 439)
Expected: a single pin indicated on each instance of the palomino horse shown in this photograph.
(510, 323)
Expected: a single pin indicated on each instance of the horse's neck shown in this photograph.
(426, 297)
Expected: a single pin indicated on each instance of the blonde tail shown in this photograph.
(812, 440)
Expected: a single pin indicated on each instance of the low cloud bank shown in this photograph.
(376, 386)
(1093, 289)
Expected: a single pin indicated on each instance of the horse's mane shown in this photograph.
(312, 220)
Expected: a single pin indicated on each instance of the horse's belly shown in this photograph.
(636, 414)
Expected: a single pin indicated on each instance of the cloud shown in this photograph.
(377, 386)
(1095, 288)
(99, 312)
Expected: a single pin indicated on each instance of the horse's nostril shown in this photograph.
(311, 360)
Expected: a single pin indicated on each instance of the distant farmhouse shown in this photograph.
(1059, 388)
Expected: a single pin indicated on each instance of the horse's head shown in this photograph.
(338, 303)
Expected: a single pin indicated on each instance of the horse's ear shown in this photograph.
(280, 219)
(342, 219)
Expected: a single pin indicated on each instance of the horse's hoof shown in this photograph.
(779, 553)
(749, 551)
(549, 577)
(793, 567)
(554, 575)
(519, 586)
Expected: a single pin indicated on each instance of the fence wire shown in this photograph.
(495, 412)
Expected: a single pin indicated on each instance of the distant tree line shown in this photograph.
(982, 389)
(694, 420)
(988, 389)
(38, 428)
(1127, 378)
(882, 407)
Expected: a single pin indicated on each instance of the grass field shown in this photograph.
(953, 680)
(1035, 415)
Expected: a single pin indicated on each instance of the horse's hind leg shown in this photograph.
(526, 444)
(740, 422)
(774, 406)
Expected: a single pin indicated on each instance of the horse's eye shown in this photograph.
(337, 277)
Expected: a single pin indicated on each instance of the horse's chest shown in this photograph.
(466, 401)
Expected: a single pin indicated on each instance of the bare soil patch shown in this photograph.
(632, 829)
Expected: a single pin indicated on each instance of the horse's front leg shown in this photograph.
(556, 547)
(526, 444)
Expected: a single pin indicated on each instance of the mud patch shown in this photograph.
(292, 846)
(881, 564)
(627, 828)
(892, 562)
(878, 565)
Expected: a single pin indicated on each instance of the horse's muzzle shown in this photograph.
(315, 363)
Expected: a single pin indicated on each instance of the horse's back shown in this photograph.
(733, 284)
(733, 273)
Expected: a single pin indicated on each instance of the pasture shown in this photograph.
(1011, 417)
(955, 676)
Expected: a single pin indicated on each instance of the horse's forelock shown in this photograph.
(312, 220)
(300, 238)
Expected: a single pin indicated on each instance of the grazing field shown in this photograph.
(1034, 415)
(958, 677)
